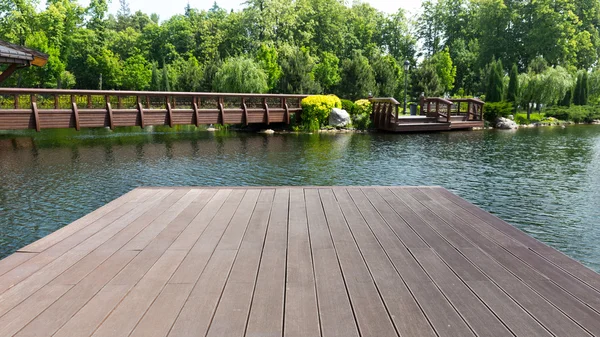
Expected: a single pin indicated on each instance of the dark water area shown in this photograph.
(545, 181)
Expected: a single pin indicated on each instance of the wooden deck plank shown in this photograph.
(294, 261)
(266, 311)
(126, 315)
(442, 315)
(576, 310)
(383, 197)
(513, 316)
(57, 314)
(59, 235)
(119, 236)
(572, 266)
(335, 312)
(164, 311)
(478, 316)
(108, 298)
(196, 315)
(47, 273)
(16, 259)
(574, 286)
(205, 243)
(407, 316)
(232, 312)
(372, 316)
(301, 312)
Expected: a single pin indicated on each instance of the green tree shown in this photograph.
(425, 80)
(327, 71)
(495, 87)
(297, 67)
(267, 58)
(166, 86)
(444, 68)
(387, 76)
(241, 74)
(513, 86)
(156, 82)
(137, 73)
(584, 89)
(189, 74)
(358, 77)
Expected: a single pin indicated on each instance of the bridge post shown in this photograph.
(244, 110)
(76, 111)
(36, 115)
(111, 121)
(195, 107)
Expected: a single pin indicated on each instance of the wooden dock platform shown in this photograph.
(297, 261)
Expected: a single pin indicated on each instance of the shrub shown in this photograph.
(575, 113)
(316, 109)
(521, 118)
(348, 105)
(493, 111)
(361, 115)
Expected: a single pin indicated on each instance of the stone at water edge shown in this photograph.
(506, 124)
(339, 117)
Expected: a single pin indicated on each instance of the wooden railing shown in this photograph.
(474, 111)
(438, 108)
(54, 108)
(383, 110)
(443, 109)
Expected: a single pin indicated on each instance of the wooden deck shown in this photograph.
(373, 261)
(437, 114)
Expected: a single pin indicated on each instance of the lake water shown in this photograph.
(546, 181)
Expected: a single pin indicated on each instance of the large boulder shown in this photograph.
(506, 124)
(339, 118)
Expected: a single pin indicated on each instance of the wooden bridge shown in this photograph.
(54, 108)
(437, 114)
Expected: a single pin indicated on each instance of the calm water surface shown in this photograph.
(545, 181)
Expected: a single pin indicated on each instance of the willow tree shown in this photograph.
(241, 74)
(546, 88)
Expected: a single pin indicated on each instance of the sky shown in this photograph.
(166, 9)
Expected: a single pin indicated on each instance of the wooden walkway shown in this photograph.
(370, 261)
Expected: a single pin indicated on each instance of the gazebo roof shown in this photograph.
(15, 54)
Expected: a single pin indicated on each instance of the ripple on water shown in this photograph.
(544, 181)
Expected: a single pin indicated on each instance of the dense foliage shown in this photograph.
(493, 111)
(361, 114)
(530, 53)
(316, 109)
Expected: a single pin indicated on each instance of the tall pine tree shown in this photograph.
(584, 88)
(577, 91)
(513, 86)
(495, 87)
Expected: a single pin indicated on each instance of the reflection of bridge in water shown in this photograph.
(53, 109)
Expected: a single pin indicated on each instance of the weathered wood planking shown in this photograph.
(294, 261)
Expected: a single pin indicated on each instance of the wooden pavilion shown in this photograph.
(16, 57)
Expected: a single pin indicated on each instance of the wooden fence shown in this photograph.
(54, 108)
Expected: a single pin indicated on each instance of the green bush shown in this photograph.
(348, 105)
(575, 113)
(521, 118)
(316, 109)
(361, 114)
(493, 111)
